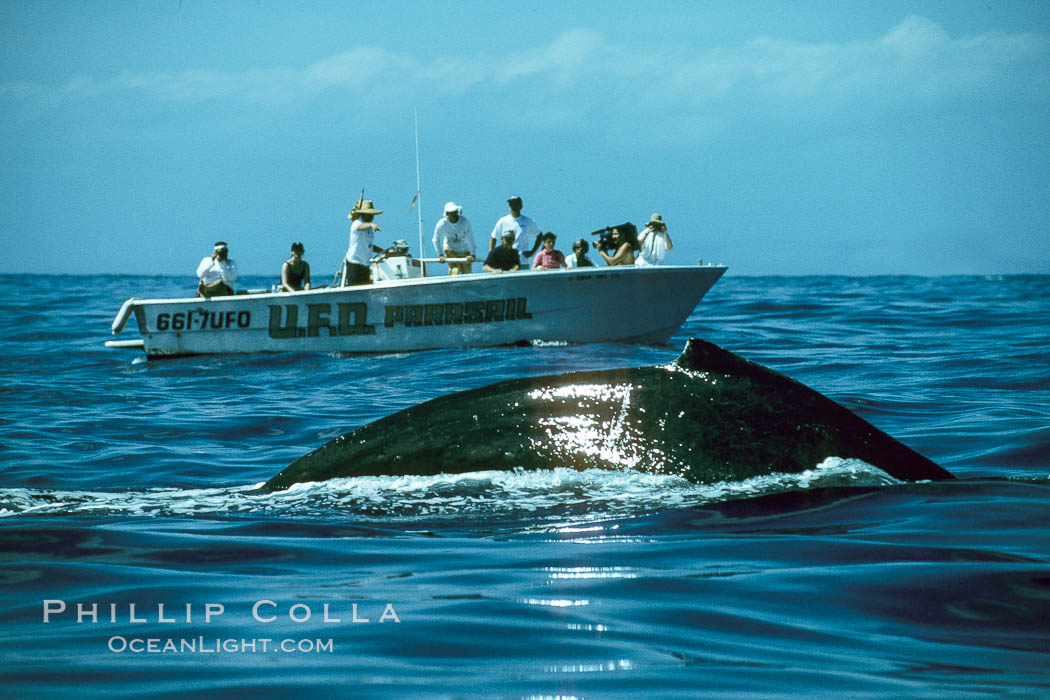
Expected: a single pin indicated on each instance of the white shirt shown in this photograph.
(570, 261)
(212, 271)
(525, 232)
(361, 242)
(652, 248)
(457, 237)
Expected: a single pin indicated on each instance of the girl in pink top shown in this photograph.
(548, 258)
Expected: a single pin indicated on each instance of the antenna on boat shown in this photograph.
(416, 199)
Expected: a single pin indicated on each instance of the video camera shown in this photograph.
(605, 242)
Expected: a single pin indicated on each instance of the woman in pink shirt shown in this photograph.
(548, 258)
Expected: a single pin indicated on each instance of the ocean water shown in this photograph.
(139, 560)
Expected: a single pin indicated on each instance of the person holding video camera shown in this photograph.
(654, 242)
(624, 254)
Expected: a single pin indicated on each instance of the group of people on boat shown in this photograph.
(649, 248)
(515, 243)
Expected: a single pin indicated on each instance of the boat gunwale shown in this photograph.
(473, 278)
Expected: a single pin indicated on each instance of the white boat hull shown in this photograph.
(608, 304)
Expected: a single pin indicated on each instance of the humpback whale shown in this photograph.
(709, 416)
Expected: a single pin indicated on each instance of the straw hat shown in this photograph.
(655, 219)
(367, 207)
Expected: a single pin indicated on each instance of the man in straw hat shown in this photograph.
(216, 273)
(362, 244)
(454, 238)
(653, 242)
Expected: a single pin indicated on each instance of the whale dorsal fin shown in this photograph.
(702, 356)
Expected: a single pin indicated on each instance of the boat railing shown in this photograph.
(337, 280)
(440, 261)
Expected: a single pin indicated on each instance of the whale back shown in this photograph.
(709, 416)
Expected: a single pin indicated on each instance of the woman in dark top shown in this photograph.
(579, 255)
(295, 272)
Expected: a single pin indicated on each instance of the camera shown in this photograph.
(605, 241)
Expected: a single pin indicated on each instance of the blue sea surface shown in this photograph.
(141, 560)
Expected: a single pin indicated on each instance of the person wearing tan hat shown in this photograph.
(454, 238)
(653, 242)
(362, 244)
(216, 273)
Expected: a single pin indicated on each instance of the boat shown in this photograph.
(408, 309)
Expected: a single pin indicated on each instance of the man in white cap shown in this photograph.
(526, 232)
(454, 238)
(216, 273)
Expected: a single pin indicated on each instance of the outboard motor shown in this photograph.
(399, 265)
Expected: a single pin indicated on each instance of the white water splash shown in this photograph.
(516, 493)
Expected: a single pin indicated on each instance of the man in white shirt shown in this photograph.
(653, 242)
(216, 273)
(526, 232)
(454, 238)
(362, 244)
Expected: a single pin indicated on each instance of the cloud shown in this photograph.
(582, 70)
(916, 59)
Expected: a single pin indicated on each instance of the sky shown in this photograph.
(789, 137)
